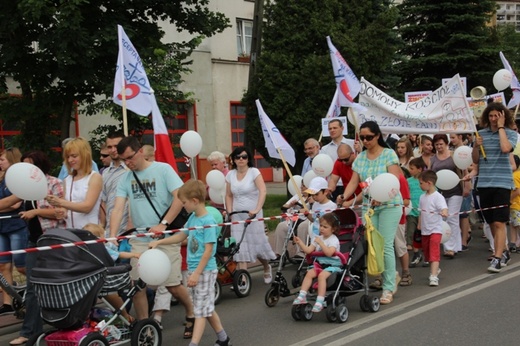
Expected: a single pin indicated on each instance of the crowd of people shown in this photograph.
(132, 190)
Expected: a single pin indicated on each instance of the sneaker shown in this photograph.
(494, 266)
(416, 259)
(505, 259)
(226, 342)
(159, 323)
(434, 280)
(301, 299)
(426, 264)
(6, 309)
(465, 248)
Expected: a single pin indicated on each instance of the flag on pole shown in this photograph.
(346, 80)
(131, 77)
(162, 143)
(335, 108)
(274, 139)
(515, 85)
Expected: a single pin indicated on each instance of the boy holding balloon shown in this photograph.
(433, 208)
(202, 265)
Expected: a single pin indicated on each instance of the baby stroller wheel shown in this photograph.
(296, 280)
(373, 304)
(272, 296)
(146, 333)
(330, 313)
(364, 302)
(218, 292)
(38, 339)
(93, 339)
(242, 283)
(341, 313)
(296, 312)
(306, 312)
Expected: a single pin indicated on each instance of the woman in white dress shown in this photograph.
(82, 187)
(246, 190)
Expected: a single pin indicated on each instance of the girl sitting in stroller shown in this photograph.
(323, 266)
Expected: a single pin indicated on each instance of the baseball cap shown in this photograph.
(316, 185)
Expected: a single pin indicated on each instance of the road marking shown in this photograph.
(507, 274)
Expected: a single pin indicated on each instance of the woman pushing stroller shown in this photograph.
(323, 266)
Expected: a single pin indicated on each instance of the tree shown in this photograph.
(444, 38)
(294, 79)
(64, 52)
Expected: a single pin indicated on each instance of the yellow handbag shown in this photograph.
(376, 244)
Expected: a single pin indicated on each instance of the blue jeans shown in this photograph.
(32, 323)
(386, 220)
(16, 240)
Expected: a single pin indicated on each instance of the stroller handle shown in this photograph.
(341, 256)
(119, 269)
(239, 212)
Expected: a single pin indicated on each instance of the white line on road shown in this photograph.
(494, 279)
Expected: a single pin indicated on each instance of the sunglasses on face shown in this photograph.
(238, 157)
(104, 155)
(367, 138)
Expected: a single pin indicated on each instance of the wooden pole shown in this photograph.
(296, 187)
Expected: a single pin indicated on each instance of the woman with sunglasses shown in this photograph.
(375, 160)
(246, 190)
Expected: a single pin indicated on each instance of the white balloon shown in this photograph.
(502, 79)
(446, 232)
(322, 165)
(154, 267)
(26, 181)
(447, 179)
(384, 187)
(290, 186)
(408, 209)
(191, 143)
(215, 179)
(462, 157)
(308, 177)
(216, 195)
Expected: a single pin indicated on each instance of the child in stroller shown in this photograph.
(323, 266)
(68, 281)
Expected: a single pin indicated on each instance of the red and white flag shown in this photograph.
(346, 81)
(162, 143)
(274, 139)
(130, 73)
(515, 85)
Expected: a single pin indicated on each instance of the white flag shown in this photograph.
(515, 85)
(335, 108)
(346, 81)
(274, 139)
(130, 73)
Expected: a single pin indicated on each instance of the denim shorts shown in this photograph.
(16, 240)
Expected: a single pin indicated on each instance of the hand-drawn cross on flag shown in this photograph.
(274, 139)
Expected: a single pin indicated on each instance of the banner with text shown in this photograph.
(446, 110)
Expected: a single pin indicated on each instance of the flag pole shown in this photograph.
(123, 99)
(291, 178)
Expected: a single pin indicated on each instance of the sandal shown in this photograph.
(268, 276)
(21, 340)
(386, 298)
(318, 306)
(450, 254)
(376, 284)
(301, 299)
(406, 280)
(188, 327)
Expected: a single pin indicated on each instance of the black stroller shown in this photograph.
(68, 282)
(351, 280)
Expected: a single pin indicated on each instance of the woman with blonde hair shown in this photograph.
(82, 186)
(13, 231)
(404, 151)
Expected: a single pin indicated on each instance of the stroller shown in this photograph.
(68, 282)
(352, 279)
(228, 274)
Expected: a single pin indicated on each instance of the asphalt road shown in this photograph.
(469, 307)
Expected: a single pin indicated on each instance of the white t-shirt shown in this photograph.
(330, 241)
(431, 206)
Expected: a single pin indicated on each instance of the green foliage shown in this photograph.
(294, 79)
(63, 52)
(444, 38)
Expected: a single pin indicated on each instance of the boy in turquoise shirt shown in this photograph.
(202, 265)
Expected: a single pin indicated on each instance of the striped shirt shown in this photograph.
(111, 177)
(496, 171)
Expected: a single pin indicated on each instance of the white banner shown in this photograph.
(446, 110)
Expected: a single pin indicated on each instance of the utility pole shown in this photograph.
(256, 40)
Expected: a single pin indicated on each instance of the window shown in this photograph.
(238, 122)
(244, 37)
